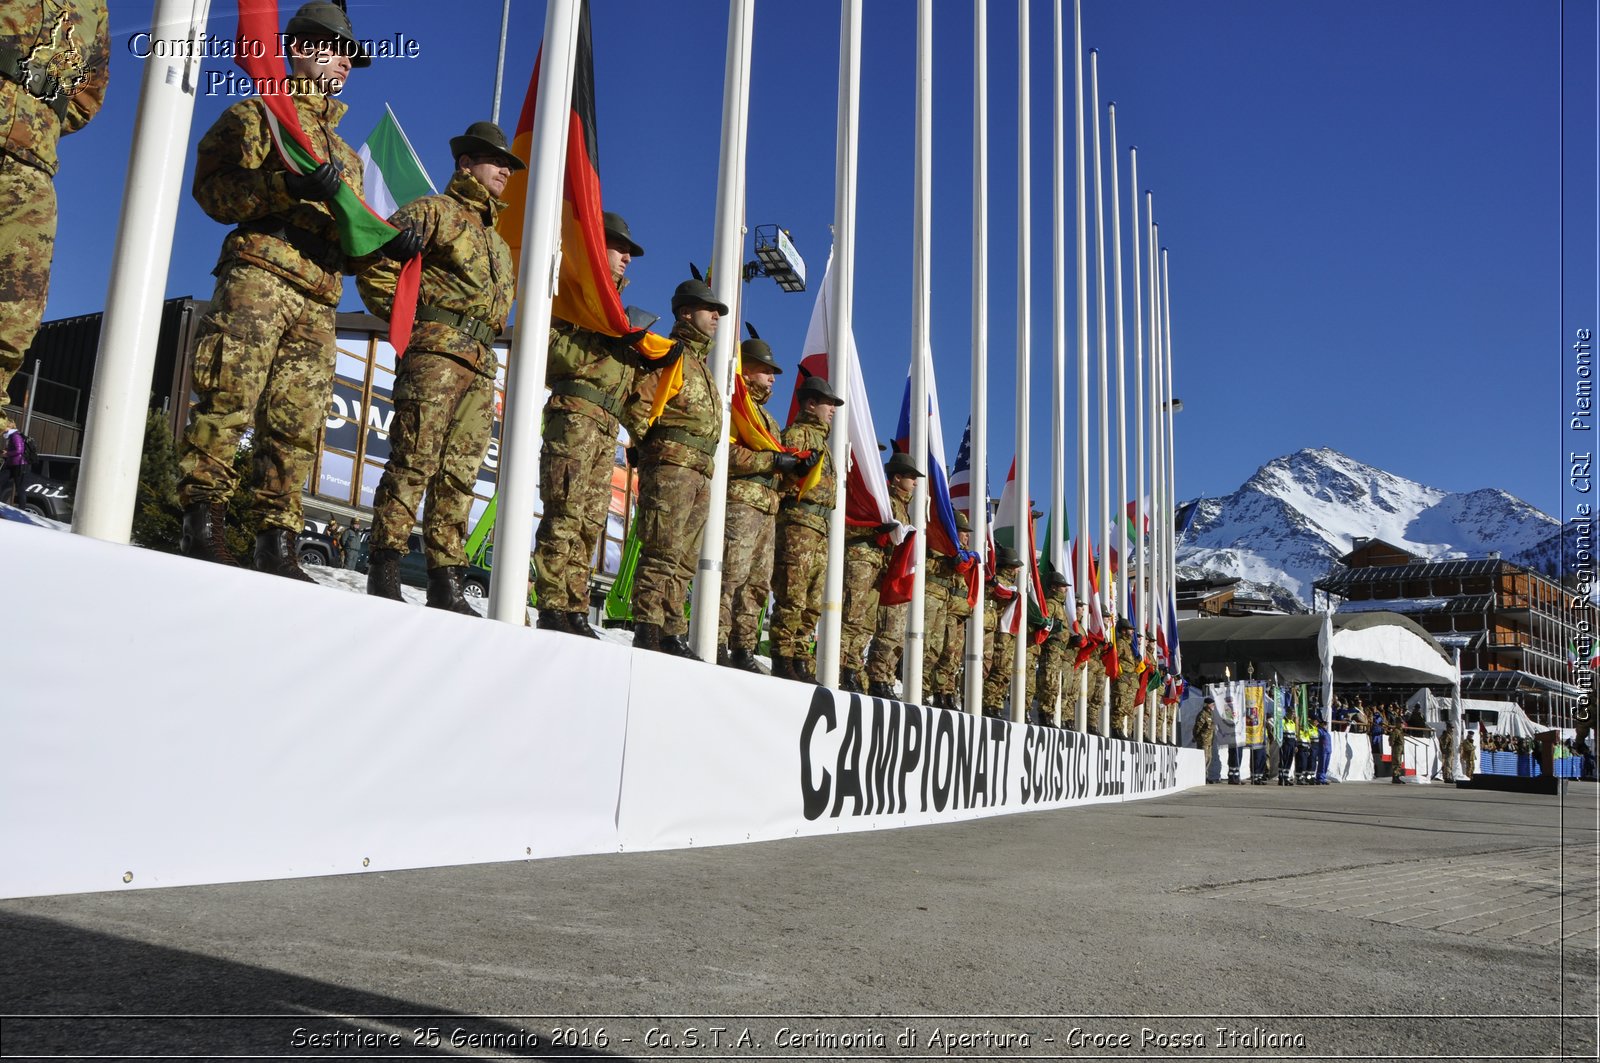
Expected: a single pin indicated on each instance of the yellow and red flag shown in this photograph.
(586, 295)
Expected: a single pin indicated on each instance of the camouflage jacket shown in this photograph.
(590, 375)
(466, 269)
(69, 41)
(1056, 609)
(239, 180)
(751, 478)
(1126, 685)
(1204, 728)
(809, 510)
(686, 432)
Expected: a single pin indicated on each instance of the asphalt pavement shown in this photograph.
(1350, 921)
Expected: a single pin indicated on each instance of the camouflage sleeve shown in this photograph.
(742, 461)
(379, 274)
(229, 182)
(85, 102)
(636, 410)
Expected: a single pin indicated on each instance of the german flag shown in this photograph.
(586, 295)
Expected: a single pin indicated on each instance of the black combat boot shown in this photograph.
(578, 624)
(203, 533)
(647, 636)
(850, 679)
(801, 668)
(723, 661)
(746, 661)
(277, 554)
(780, 666)
(550, 620)
(879, 689)
(383, 575)
(444, 590)
(678, 646)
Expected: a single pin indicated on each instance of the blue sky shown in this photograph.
(1362, 201)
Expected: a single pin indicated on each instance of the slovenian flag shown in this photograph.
(391, 170)
(361, 230)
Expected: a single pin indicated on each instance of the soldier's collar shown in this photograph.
(471, 192)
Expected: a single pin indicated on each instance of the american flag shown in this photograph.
(961, 474)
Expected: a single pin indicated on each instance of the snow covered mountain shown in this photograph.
(1297, 515)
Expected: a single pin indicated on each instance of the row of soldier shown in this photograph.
(264, 365)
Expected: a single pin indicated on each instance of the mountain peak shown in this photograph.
(1288, 524)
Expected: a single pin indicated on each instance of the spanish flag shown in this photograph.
(749, 430)
(586, 296)
(361, 229)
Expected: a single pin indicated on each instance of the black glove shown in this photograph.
(785, 463)
(632, 454)
(622, 346)
(320, 184)
(403, 245)
(887, 528)
(808, 462)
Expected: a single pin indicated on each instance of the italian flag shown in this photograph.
(391, 170)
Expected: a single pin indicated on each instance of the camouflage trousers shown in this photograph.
(264, 358)
(671, 519)
(883, 659)
(797, 588)
(443, 415)
(998, 674)
(946, 675)
(746, 575)
(1052, 666)
(863, 565)
(935, 612)
(27, 242)
(575, 488)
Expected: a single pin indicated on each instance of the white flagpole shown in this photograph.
(541, 243)
(114, 436)
(1081, 575)
(1168, 522)
(1157, 488)
(500, 61)
(1019, 669)
(1119, 511)
(840, 310)
(1141, 589)
(915, 646)
(727, 246)
(1058, 331)
(1103, 695)
(978, 441)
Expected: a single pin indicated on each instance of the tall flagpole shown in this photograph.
(1168, 522)
(1081, 562)
(1058, 330)
(1103, 695)
(915, 645)
(978, 440)
(1158, 602)
(1141, 590)
(140, 261)
(840, 309)
(541, 232)
(1019, 666)
(727, 245)
(500, 61)
(1119, 511)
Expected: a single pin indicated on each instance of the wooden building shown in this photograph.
(1516, 629)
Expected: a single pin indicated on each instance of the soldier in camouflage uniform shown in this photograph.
(866, 557)
(1094, 678)
(591, 377)
(802, 547)
(55, 59)
(1053, 655)
(945, 680)
(753, 479)
(1396, 733)
(675, 458)
(1001, 646)
(883, 659)
(265, 352)
(1125, 688)
(444, 390)
(1205, 730)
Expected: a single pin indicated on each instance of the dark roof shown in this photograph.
(1464, 603)
(1501, 682)
(1367, 544)
(1478, 566)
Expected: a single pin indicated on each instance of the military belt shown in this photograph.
(475, 327)
(324, 252)
(687, 438)
(48, 90)
(577, 389)
(825, 512)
